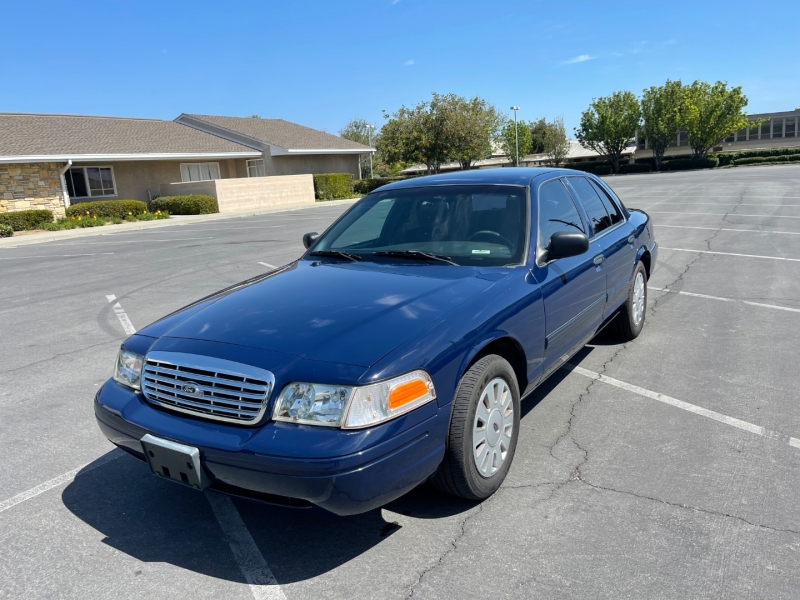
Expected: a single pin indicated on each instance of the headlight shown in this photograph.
(128, 370)
(353, 407)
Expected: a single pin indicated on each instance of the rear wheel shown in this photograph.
(483, 430)
(630, 321)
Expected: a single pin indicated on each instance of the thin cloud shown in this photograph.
(410, 62)
(578, 59)
(395, 2)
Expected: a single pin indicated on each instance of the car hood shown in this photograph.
(351, 313)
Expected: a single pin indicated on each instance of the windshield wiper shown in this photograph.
(337, 254)
(416, 255)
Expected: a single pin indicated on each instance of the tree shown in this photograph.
(472, 125)
(556, 144)
(661, 113)
(508, 141)
(710, 113)
(538, 134)
(609, 125)
(357, 130)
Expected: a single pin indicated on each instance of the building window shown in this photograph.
(741, 135)
(777, 128)
(199, 171)
(255, 168)
(90, 182)
(753, 133)
(684, 138)
(791, 127)
(765, 130)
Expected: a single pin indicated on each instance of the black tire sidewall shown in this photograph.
(480, 486)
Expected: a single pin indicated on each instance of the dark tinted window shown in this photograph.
(482, 225)
(611, 207)
(557, 212)
(599, 219)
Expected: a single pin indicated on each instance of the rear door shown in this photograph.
(611, 231)
(574, 288)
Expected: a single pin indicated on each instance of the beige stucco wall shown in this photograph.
(27, 186)
(251, 193)
(134, 178)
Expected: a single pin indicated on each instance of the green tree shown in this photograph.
(710, 113)
(661, 115)
(508, 140)
(538, 134)
(609, 125)
(471, 126)
(358, 130)
(556, 144)
(417, 135)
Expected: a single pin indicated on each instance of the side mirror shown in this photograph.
(564, 244)
(310, 238)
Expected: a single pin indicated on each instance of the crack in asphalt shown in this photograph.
(61, 354)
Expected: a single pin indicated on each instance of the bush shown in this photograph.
(195, 204)
(587, 167)
(24, 220)
(603, 170)
(755, 160)
(365, 186)
(333, 186)
(107, 208)
(6, 231)
(635, 168)
(683, 164)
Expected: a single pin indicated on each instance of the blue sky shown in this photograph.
(322, 63)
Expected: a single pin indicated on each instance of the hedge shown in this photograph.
(6, 231)
(23, 220)
(597, 168)
(635, 168)
(603, 170)
(333, 186)
(683, 164)
(365, 186)
(108, 208)
(195, 204)
(755, 160)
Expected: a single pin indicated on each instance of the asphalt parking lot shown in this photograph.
(667, 467)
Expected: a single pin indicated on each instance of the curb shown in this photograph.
(176, 221)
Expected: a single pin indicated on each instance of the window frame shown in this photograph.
(610, 228)
(199, 165)
(86, 181)
(254, 160)
(540, 249)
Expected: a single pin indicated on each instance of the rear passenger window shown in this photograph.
(611, 206)
(557, 212)
(598, 217)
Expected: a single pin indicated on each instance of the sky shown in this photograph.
(323, 63)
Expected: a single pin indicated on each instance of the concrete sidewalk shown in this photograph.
(52, 236)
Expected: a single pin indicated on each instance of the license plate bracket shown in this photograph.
(174, 461)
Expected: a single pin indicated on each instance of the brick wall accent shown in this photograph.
(250, 193)
(31, 185)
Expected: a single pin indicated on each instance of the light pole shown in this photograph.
(369, 130)
(516, 134)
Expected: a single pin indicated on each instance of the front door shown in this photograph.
(573, 288)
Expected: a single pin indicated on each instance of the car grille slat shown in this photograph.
(206, 387)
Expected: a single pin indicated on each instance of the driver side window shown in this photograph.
(557, 212)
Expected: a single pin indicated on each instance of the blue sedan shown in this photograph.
(394, 351)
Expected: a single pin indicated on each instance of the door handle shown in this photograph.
(598, 260)
(631, 239)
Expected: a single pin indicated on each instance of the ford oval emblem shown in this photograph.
(192, 389)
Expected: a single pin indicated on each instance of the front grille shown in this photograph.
(216, 389)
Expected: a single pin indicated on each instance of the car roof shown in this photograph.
(499, 176)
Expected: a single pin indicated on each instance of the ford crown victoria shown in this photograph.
(394, 351)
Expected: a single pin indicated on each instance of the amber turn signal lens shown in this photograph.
(407, 392)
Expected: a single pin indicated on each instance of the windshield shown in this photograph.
(471, 225)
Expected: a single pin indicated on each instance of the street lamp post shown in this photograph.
(369, 130)
(516, 135)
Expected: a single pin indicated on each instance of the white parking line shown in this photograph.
(255, 569)
(268, 265)
(127, 326)
(57, 481)
(773, 306)
(52, 255)
(76, 243)
(698, 410)
(733, 202)
(660, 225)
(670, 212)
(730, 254)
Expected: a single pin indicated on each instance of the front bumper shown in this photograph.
(345, 472)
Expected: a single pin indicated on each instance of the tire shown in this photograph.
(459, 474)
(626, 325)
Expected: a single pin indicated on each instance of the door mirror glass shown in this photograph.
(310, 238)
(564, 244)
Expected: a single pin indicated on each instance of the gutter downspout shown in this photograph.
(64, 183)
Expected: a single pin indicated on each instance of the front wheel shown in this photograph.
(630, 321)
(484, 427)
